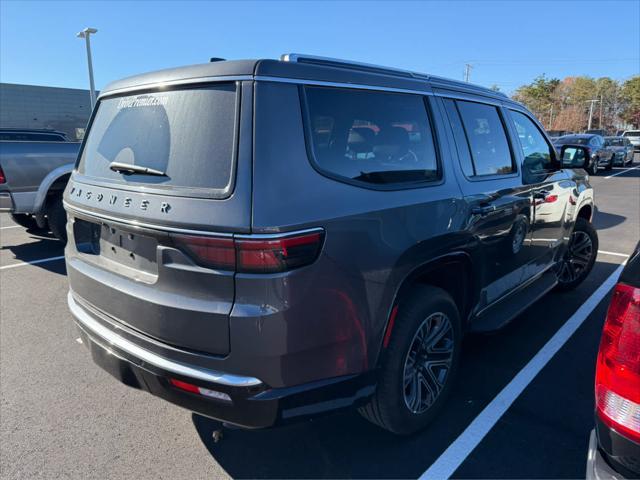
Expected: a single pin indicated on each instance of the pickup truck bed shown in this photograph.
(35, 174)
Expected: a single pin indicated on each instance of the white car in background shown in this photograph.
(634, 138)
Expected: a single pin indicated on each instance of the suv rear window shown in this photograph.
(368, 137)
(187, 134)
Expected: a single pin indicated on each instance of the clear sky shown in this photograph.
(508, 43)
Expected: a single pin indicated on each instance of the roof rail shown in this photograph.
(337, 62)
(368, 67)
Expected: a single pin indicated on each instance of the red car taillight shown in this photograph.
(3, 179)
(618, 364)
(253, 255)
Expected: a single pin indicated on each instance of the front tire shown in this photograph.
(419, 365)
(580, 256)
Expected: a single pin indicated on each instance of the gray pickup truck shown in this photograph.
(34, 168)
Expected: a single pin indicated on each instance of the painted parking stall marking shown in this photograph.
(471, 437)
(620, 173)
(615, 254)
(32, 262)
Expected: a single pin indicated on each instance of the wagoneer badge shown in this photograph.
(127, 202)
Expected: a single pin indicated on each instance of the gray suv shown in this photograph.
(262, 241)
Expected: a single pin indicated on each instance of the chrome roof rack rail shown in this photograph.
(368, 67)
(337, 62)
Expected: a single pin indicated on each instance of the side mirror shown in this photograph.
(574, 156)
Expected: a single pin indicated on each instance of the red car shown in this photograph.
(614, 448)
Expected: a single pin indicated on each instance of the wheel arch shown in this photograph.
(452, 272)
(586, 212)
(55, 181)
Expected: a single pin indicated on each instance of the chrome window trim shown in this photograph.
(355, 86)
(267, 236)
(85, 320)
(172, 83)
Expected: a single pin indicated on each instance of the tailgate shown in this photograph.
(123, 259)
(136, 277)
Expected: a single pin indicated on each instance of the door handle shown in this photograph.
(483, 211)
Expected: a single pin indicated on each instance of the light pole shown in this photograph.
(92, 89)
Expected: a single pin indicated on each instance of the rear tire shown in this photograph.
(610, 164)
(25, 220)
(580, 256)
(593, 170)
(57, 217)
(419, 365)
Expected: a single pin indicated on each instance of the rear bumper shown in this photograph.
(6, 202)
(252, 404)
(597, 467)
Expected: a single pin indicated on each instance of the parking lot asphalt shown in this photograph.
(61, 416)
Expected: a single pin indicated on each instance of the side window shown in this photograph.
(538, 154)
(458, 133)
(487, 139)
(370, 137)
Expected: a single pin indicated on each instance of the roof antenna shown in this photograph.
(217, 59)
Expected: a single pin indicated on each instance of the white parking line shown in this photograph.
(33, 262)
(620, 173)
(468, 440)
(615, 254)
(10, 226)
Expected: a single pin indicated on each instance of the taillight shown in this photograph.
(277, 255)
(215, 252)
(253, 255)
(3, 179)
(618, 365)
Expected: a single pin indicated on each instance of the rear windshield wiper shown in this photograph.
(129, 169)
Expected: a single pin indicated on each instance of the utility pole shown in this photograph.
(92, 89)
(551, 117)
(467, 71)
(600, 122)
(591, 102)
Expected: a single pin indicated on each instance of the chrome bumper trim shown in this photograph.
(85, 320)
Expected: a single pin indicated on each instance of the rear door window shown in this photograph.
(367, 137)
(487, 139)
(187, 134)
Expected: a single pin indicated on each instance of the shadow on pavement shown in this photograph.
(345, 445)
(603, 220)
(40, 246)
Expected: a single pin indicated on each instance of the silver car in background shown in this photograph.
(622, 150)
(634, 138)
